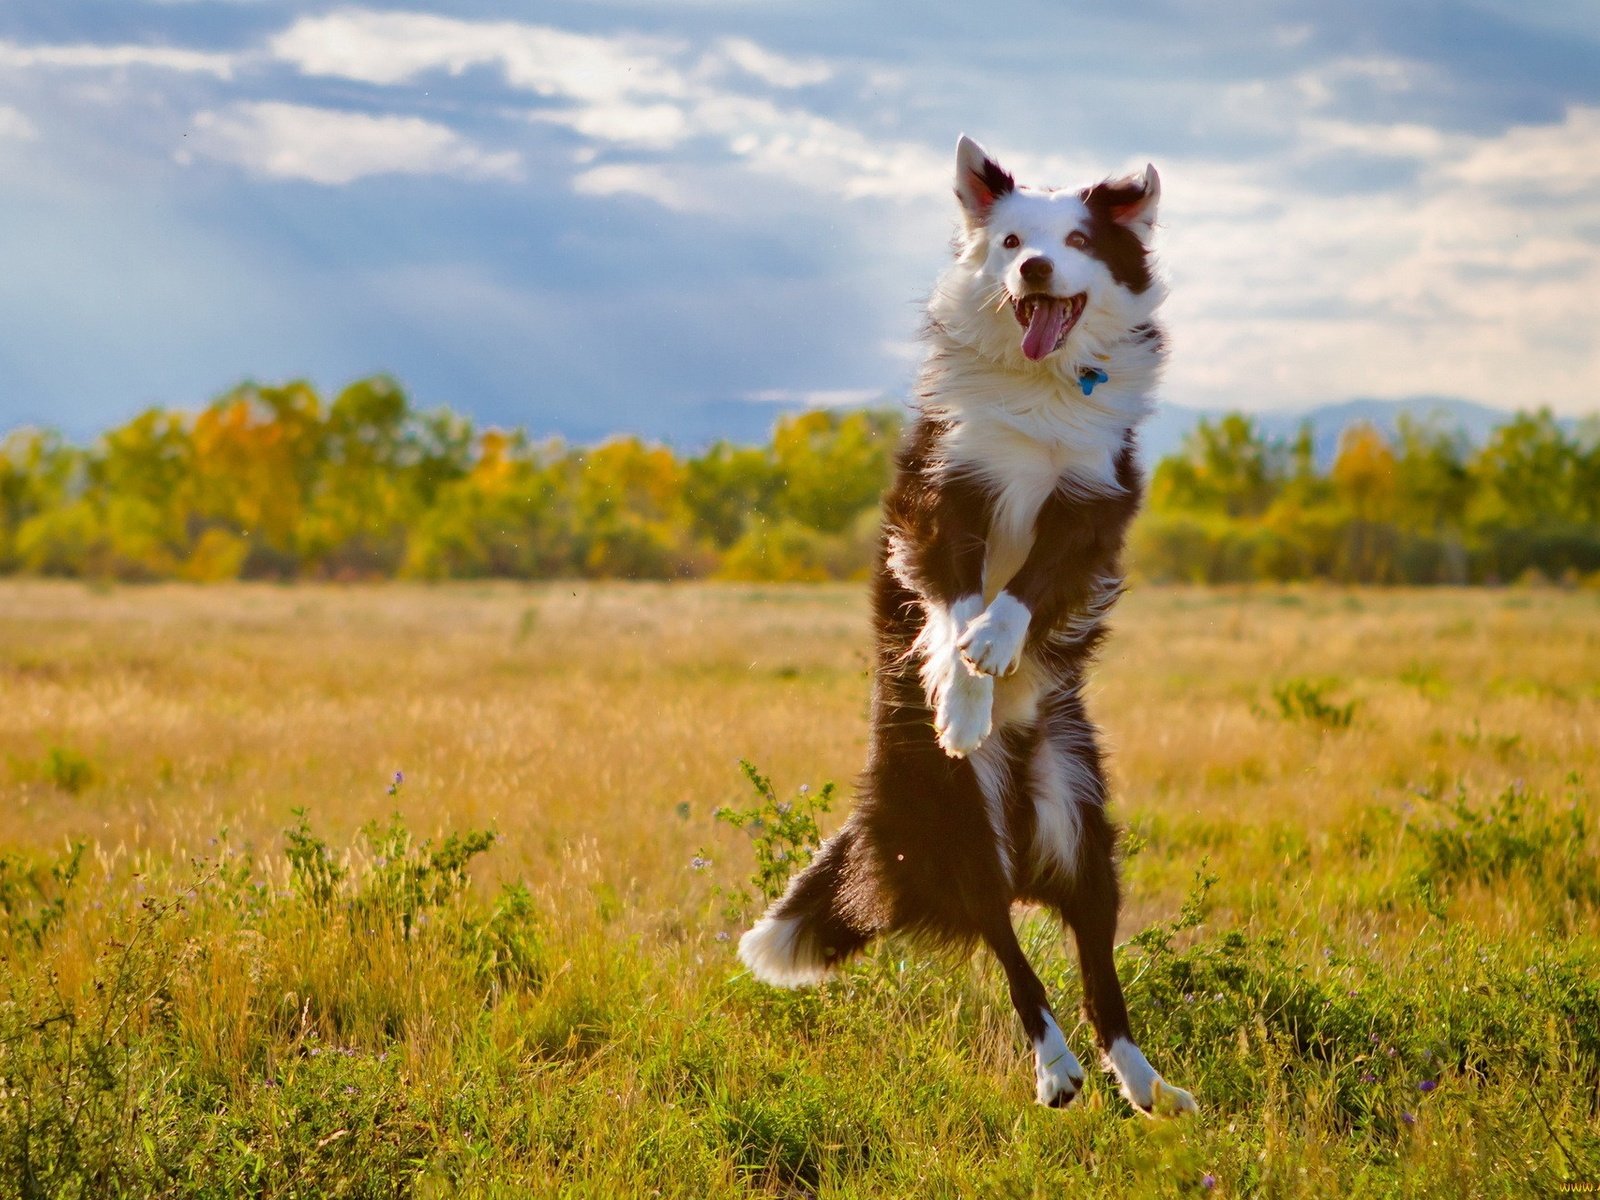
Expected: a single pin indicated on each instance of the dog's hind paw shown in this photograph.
(1146, 1090)
(1169, 1101)
(1058, 1093)
(1057, 1074)
(964, 713)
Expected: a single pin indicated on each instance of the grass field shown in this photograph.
(1363, 923)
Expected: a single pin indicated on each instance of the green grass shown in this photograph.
(367, 1026)
(1373, 955)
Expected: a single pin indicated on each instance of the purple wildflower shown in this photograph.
(1408, 1118)
(698, 863)
(1208, 1181)
(1427, 1085)
(1368, 1077)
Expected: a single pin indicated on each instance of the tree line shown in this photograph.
(279, 483)
(1423, 506)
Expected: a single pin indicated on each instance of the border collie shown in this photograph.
(1003, 534)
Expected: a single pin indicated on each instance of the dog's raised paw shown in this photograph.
(964, 714)
(992, 644)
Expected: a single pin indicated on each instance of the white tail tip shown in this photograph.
(776, 953)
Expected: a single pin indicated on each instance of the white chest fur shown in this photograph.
(1023, 464)
(1025, 437)
(1032, 473)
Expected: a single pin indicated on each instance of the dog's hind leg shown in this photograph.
(810, 929)
(1058, 1077)
(1088, 902)
(1072, 869)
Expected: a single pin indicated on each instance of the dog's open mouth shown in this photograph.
(1046, 321)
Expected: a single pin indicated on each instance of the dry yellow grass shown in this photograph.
(574, 718)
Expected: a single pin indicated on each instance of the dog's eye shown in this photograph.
(1012, 241)
(1077, 239)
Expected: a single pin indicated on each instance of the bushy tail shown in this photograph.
(808, 931)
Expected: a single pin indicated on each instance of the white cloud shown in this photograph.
(623, 123)
(630, 93)
(1553, 160)
(387, 48)
(1322, 85)
(1475, 279)
(294, 141)
(1285, 105)
(1389, 141)
(15, 126)
(818, 398)
(636, 179)
(776, 69)
(819, 154)
(91, 57)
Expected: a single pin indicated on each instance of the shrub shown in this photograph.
(1514, 834)
(1303, 700)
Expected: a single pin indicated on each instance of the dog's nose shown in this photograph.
(1037, 269)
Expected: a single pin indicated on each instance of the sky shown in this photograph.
(679, 219)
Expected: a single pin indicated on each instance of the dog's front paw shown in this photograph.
(963, 715)
(993, 642)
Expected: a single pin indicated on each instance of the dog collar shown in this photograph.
(1090, 377)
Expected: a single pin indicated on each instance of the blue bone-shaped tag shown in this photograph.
(1089, 377)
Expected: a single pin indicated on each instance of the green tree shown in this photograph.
(510, 515)
(1364, 479)
(38, 474)
(832, 465)
(1528, 473)
(631, 521)
(728, 486)
(1226, 467)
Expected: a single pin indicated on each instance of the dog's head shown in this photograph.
(1048, 275)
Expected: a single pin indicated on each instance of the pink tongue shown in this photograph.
(1044, 330)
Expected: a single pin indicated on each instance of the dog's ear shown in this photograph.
(1130, 202)
(980, 181)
